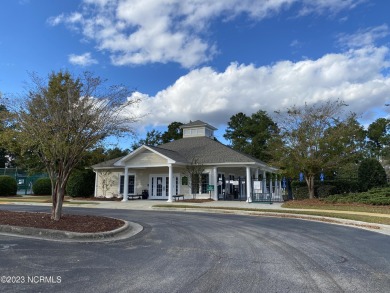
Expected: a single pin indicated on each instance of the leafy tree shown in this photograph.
(371, 174)
(64, 116)
(153, 138)
(379, 137)
(314, 139)
(174, 132)
(251, 135)
(100, 154)
(6, 158)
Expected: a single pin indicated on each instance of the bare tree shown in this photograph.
(194, 173)
(106, 181)
(62, 117)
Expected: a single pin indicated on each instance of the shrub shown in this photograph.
(8, 185)
(371, 174)
(375, 196)
(42, 186)
(81, 184)
(300, 193)
(325, 190)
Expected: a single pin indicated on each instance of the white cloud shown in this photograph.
(354, 77)
(82, 60)
(364, 37)
(145, 31)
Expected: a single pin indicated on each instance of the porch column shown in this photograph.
(170, 183)
(248, 184)
(270, 185)
(276, 185)
(257, 174)
(215, 182)
(264, 182)
(126, 185)
(280, 188)
(96, 183)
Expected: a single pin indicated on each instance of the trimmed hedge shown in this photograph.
(375, 196)
(81, 184)
(8, 185)
(325, 188)
(42, 186)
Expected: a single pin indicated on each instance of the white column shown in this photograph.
(248, 184)
(215, 182)
(96, 183)
(276, 185)
(170, 183)
(264, 182)
(126, 185)
(270, 185)
(280, 188)
(257, 174)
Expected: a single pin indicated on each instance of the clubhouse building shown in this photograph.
(166, 171)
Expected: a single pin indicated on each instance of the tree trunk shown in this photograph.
(310, 185)
(58, 197)
(58, 208)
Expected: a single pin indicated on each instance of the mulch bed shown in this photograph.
(72, 223)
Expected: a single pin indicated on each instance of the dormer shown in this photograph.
(198, 128)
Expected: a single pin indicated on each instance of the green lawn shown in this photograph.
(38, 199)
(321, 205)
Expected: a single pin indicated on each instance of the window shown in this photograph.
(203, 185)
(131, 186)
(205, 182)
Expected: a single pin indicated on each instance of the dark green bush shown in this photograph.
(321, 188)
(42, 186)
(371, 174)
(375, 196)
(8, 185)
(300, 193)
(81, 184)
(325, 190)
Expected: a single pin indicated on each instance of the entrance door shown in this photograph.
(159, 186)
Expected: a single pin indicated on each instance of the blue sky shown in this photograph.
(208, 60)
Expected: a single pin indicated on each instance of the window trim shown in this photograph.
(120, 190)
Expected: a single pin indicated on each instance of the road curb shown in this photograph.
(379, 228)
(129, 229)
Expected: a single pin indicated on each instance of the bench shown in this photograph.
(134, 195)
(178, 196)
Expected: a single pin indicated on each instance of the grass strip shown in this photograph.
(341, 207)
(355, 217)
(41, 200)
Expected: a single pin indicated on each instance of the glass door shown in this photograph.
(159, 186)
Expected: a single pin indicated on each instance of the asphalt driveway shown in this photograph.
(185, 252)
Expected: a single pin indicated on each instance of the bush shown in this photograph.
(42, 186)
(375, 196)
(371, 174)
(81, 184)
(8, 185)
(300, 193)
(325, 190)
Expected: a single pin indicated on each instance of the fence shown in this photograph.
(23, 180)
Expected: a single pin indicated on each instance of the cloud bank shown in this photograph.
(357, 76)
(137, 32)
